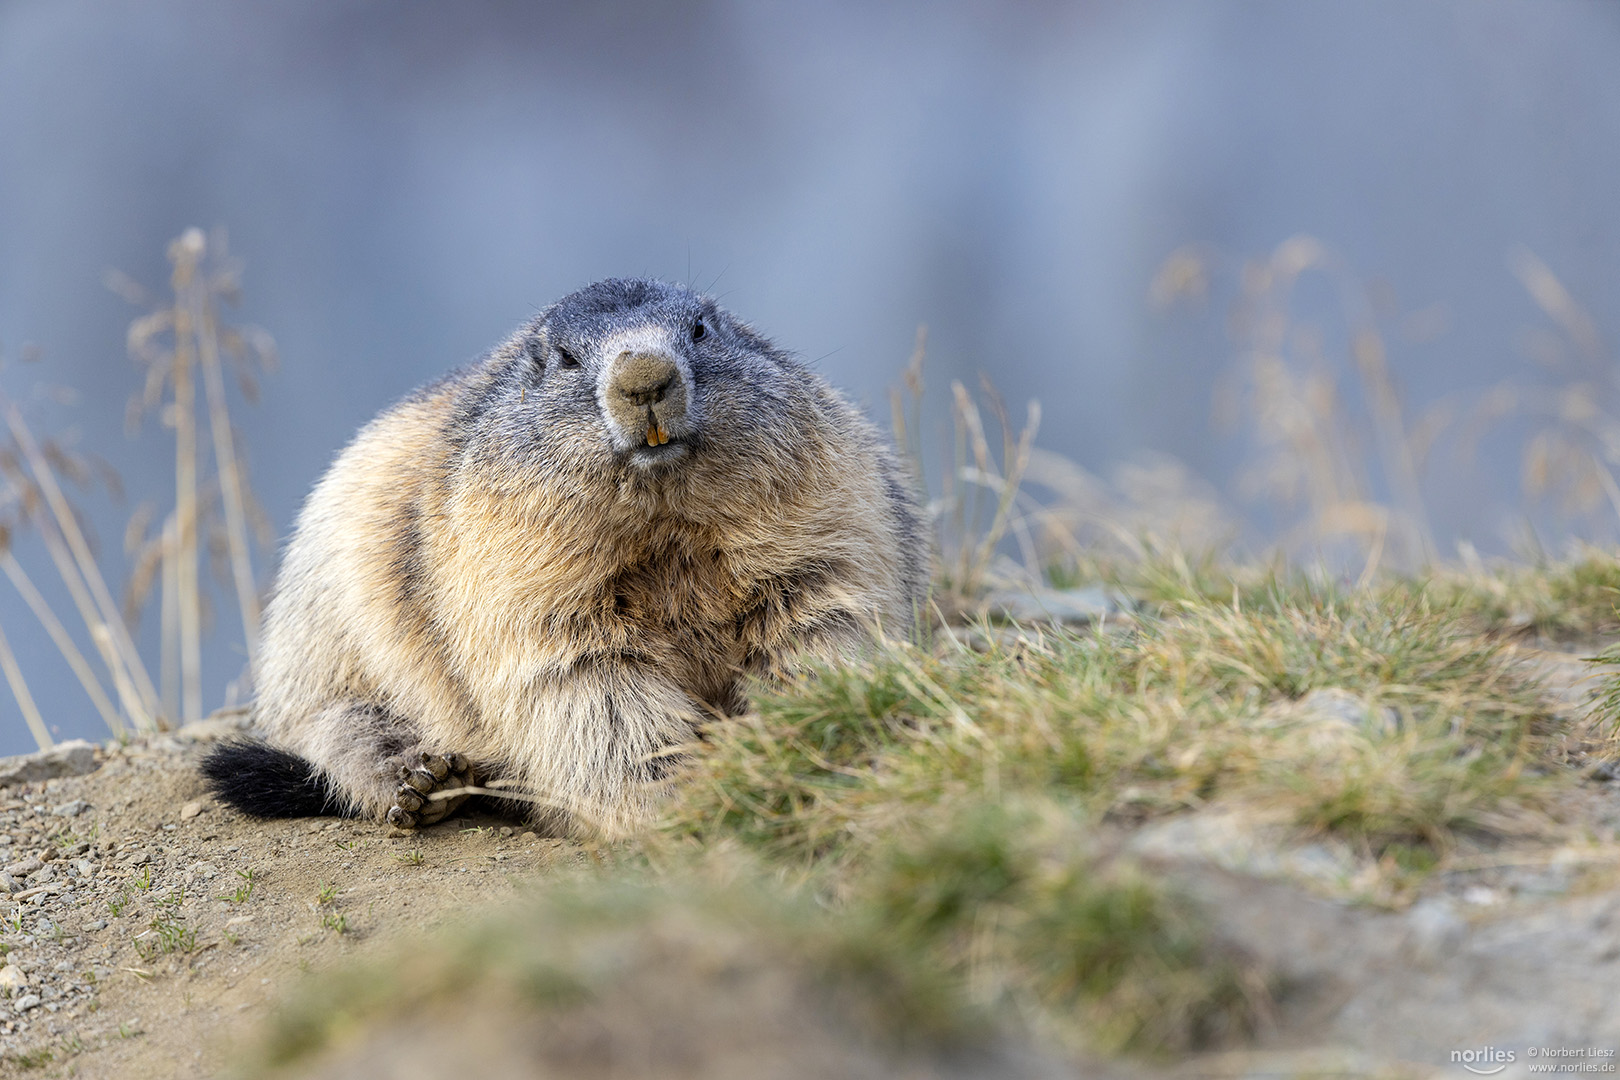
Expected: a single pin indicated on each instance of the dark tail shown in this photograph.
(260, 780)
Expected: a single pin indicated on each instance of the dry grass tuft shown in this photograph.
(951, 792)
(1169, 715)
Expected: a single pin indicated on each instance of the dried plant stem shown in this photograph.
(123, 660)
(69, 573)
(1004, 484)
(1394, 443)
(230, 485)
(25, 700)
(185, 256)
(103, 639)
(63, 641)
(908, 434)
(169, 618)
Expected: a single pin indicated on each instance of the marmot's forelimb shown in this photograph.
(545, 570)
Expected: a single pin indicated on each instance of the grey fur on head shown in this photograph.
(547, 569)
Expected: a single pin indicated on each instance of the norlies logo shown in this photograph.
(1486, 1061)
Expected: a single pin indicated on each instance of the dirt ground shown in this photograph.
(148, 932)
(165, 925)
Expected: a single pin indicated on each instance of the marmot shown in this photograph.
(546, 569)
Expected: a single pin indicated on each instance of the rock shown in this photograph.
(7, 882)
(12, 977)
(1434, 930)
(1241, 844)
(85, 867)
(24, 868)
(213, 727)
(1333, 719)
(190, 810)
(26, 1002)
(73, 758)
(1087, 605)
(72, 808)
(42, 877)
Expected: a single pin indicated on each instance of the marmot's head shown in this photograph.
(646, 379)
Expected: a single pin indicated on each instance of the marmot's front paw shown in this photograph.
(420, 775)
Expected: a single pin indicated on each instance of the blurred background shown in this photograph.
(1297, 261)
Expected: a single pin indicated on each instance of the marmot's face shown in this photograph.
(647, 373)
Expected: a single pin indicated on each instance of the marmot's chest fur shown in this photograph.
(547, 569)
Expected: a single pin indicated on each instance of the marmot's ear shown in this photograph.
(536, 348)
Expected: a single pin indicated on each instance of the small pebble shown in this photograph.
(26, 1002)
(191, 810)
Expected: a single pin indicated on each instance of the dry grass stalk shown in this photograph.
(968, 543)
(1572, 448)
(185, 253)
(25, 700)
(78, 569)
(63, 641)
(169, 615)
(230, 479)
(908, 435)
(1309, 449)
(196, 349)
(80, 595)
(977, 549)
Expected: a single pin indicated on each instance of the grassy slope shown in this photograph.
(925, 826)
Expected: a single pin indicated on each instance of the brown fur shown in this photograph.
(566, 623)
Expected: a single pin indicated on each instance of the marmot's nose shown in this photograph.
(646, 398)
(643, 379)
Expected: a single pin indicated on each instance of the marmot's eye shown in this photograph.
(567, 358)
(699, 331)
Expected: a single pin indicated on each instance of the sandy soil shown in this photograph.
(141, 947)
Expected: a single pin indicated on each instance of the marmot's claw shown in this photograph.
(401, 819)
(419, 776)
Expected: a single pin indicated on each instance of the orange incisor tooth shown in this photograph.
(663, 436)
(652, 436)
